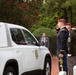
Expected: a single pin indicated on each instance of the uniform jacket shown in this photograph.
(72, 42)
(62, 40)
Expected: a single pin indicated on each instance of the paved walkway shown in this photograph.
(54, 66)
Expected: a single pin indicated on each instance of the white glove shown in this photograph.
(69, 55)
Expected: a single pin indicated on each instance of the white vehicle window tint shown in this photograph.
(17, 36)
(29, 38)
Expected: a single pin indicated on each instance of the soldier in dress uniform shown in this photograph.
(71, 58)
(62, 38)
(69, 27)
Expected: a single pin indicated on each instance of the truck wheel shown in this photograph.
(9, 71)
(47, 67)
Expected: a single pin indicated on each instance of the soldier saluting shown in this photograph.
(62, 38)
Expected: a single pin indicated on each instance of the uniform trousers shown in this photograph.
(71, 62)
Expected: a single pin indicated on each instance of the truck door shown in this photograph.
(27, 58)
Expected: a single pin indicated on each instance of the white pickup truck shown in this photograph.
(20, 53)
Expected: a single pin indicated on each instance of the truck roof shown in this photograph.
(13, 25)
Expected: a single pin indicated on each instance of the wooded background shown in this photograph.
(38, 15)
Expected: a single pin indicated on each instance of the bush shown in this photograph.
(49, 32)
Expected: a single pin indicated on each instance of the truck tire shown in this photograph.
(47, 67)
(9, 71)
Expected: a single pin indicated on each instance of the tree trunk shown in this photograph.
(65, 14)
(71, 16)
(44, 1)
(70, 8)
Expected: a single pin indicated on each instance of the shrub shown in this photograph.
(49, 32)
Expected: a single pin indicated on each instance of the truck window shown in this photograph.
(17, 36)
(29, 38)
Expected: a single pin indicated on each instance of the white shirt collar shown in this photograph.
(62, 27)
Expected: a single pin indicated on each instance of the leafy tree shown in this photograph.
(20, 12)
(44, 20)
(52, 10)
(64, 7)
(9, 12)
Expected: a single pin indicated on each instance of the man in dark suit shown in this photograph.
(44, 40)
(62, 49)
